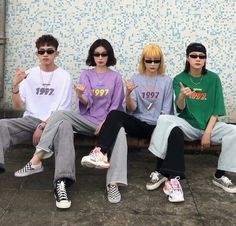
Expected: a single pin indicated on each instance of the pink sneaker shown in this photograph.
(95, 159)
(174, 190)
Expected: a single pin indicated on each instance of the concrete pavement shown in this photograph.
(29, 201)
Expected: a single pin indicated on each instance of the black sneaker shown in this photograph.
(60, 194)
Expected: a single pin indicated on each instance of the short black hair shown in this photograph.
(48, 40)
(111, 61)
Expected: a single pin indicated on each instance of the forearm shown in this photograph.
(83, 99)
(181, 102)
(17, 103)
(130, 103)
(211, 124)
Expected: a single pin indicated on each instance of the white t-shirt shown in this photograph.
(44, 92)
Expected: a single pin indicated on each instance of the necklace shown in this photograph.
(151, 85)
(48, 83)
(100, 77)
(196, 83)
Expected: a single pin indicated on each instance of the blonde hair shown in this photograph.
(151, 51)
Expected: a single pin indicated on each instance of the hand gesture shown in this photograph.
(79, 89)
(129, 87)
(20, 75)
(36, 136)
(185, 91)
(205, 141)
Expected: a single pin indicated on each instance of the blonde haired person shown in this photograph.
(148, 94)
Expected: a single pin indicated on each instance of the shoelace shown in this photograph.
(61, 191)
(113, 191)
(175, 184)
(226, 180)
(96, 153)
(154, 176)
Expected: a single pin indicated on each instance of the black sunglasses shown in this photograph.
(48, 51)
(152, 61)
(100, 54)
(194, 56)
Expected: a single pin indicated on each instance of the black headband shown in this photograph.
(195, 47)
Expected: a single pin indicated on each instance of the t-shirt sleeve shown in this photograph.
(176, 87)
(65, 102)
(167, 107)
(118, 95)
(219, 108)
(84, 80)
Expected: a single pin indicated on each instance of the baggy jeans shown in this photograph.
(15, 131)
(58, 137)
(222, 133)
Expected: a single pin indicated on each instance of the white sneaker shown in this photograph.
(225, 183)
(174, 190)
(95, 159)
(156, 180)
(29, 169)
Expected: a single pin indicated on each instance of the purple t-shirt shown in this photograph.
(104, 91)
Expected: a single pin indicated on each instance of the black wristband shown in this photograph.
(15, 92)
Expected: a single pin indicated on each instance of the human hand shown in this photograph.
(130, 86)
(98, 128)
(185, 91)
(205, 141)
(79, 89)
(36, 136)
(20, 75)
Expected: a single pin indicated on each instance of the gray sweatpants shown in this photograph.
(222, 133)
(58, 138)
(15, 131)
(117, 173)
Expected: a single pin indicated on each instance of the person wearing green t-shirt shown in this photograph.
(199, 102)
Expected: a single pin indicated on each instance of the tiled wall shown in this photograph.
(128, 25)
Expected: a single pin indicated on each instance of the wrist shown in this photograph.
(15, 89)
(41, 125)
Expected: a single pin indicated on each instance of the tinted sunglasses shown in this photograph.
(194, 56)
(100, 54)
(152, 61)
(48, 51)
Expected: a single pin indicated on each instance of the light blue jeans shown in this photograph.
(222, 133)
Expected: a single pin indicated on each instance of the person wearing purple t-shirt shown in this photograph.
(148, 95)
(100, 90)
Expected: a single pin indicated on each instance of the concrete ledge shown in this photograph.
(82, 140)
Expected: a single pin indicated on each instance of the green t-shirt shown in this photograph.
(206, 101)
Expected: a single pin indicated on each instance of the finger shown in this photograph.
(26, 75)
(181, 85)
(202, 148)
(125, 81)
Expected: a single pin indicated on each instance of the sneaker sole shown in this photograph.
(28, 173)
(114, 201)
(94, 165)
(224, 188)
(63, 204)
(176, 200)
(157, 185)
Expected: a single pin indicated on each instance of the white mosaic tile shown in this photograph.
(129, 25)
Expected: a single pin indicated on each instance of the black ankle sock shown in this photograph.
(219, 173)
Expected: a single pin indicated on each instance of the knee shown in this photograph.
(115, 114)
(3, 124)
(165, 118)
(177, 132)
(66, 125)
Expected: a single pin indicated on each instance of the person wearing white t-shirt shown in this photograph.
(38, 91)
